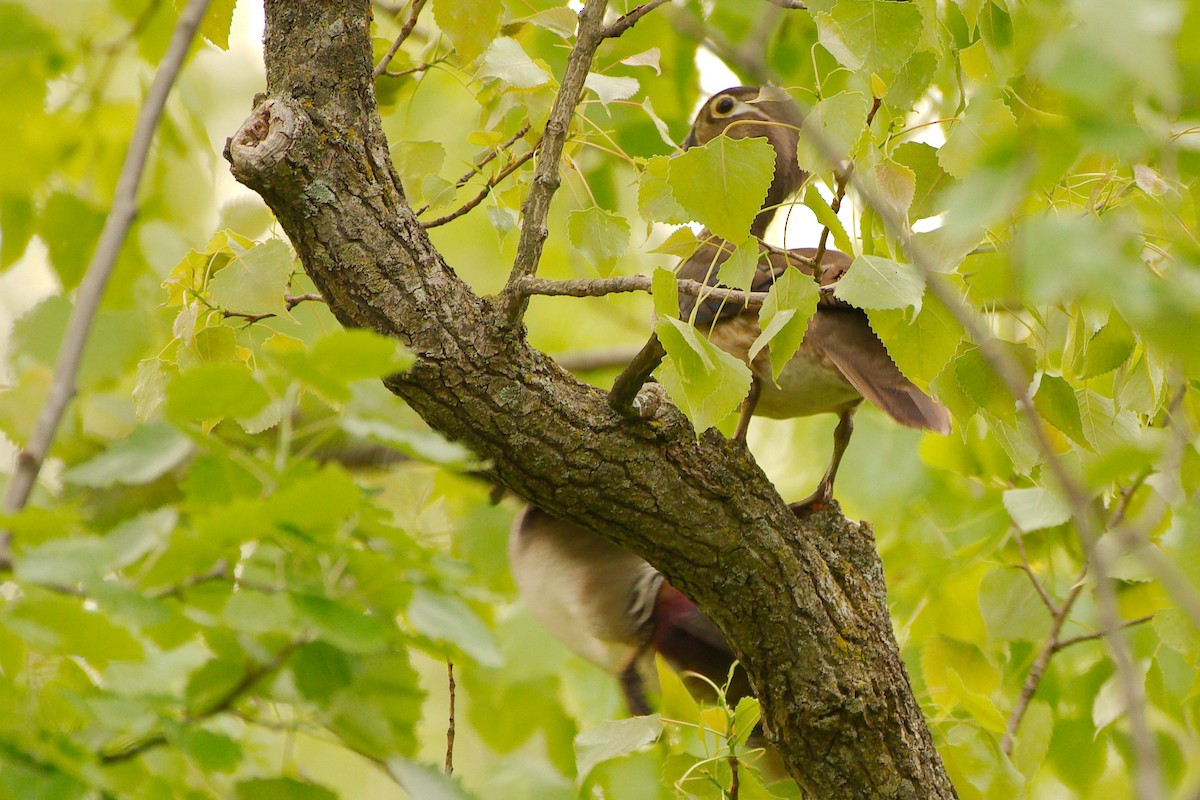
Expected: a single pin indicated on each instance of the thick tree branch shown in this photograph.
(803, 603)
(104, 259)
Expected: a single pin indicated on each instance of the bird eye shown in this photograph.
(723, 105)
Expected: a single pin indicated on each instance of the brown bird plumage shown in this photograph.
(841, 360)
(614, 609)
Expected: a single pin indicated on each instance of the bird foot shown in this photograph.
(816, 502)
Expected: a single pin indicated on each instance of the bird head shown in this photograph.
(746, 112)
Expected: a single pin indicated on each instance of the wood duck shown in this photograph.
(840, 361)
(613, 608)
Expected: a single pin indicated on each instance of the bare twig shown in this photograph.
(254, 673)
(588, 35)
(91, 289)
(627, 21)
(733, 778)
(1089, 637)
(407, 29)
(486, 159)
(789, 4)
(450, 716)
(1034, 678)
(599, 287)
(1028, 570)
(291, 300)
(484, 192)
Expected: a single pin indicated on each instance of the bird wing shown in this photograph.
(843, 337)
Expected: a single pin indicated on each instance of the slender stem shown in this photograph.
(487, 189)
(290, 300)
(407, 29)
(599, 287)
(629, 20)
(450, 716)
(534, 232)
(104, 259)
(486, 159)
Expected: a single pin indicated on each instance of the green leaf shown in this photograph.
(70, 228)
(610, 88)
(931, 179)
(705, 382)
(656, 201)
(979, 381)
(872, 35)
(664, 289)
(1033, 740)
(723, 183)
(1107, 349)
(1055, 401)
(340, 358)
(1035, 508)
(213, 391)
(897, 184)
(282, 789)
(321, 671)
(876, 282)
(69, 560)
(985, 122)
(351, 630)
(824, 213)
(600, 236)
(614, 739)
(147, 454)
(784, 317)
(507, 61)
(256, 281)
(211, 751)
(424, 445)
(212, 684)
(470, 24)
(739, 269)
(745, 719)
(830, 131)
(425, 782)
(922, 346)
(217, 21)
(448, 619)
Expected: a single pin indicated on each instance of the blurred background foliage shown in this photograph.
(246, 564)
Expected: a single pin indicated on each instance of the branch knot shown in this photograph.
(263, 140)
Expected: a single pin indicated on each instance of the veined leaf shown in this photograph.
(723, 183)
(707, 383)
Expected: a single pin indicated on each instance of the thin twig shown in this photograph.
(1034, 678)
(450, 716)
(254, 673)
(588, 35)
(1028, 570)
(381, 67)
(486, 159)
(733, 778)
(290, 300)
(1062, 644)
(599, 287)
(627, 21)
(789, 4)
(483, 193)
(91, 289)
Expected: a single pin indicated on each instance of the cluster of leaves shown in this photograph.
(204, 605)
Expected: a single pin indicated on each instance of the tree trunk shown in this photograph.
(802, 602)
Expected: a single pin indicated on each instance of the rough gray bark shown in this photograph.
(803, 603)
